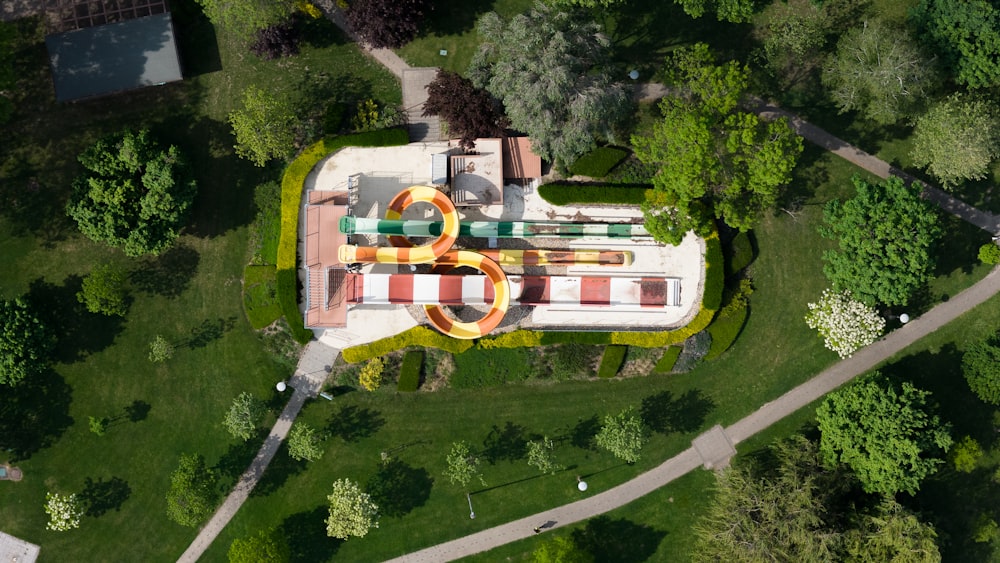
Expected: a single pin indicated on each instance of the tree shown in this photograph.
(25, 342)
(160, 349)
(265, 127)
(387, 24)
(64, 511)
(967, 32)
(266, 546)
(886, 433)
(885, 235)
(304, 443)
(550, 69)
(981, 368)
(844, 323)
(370, 377)
(965, 455)
(880, 72)
(192, 493)
(243, 18)
(957, 139)
(134, 194)
(352, 512)
(105, 291)
(793, 37)
(561, 549)
(244, 415)
(891, 533)
(623, 435)
(989, 253)
(709, 155)
(759, 511)
(98, 425)
(734, 11)
(471, 113)
(540, 456)
(276, 41)
(463, 465)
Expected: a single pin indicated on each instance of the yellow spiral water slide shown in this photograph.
(440, 253)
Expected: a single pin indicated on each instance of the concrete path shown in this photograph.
(421, 128)
(314, 366)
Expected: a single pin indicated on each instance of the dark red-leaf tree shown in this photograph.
(386, 23)
(470, 112)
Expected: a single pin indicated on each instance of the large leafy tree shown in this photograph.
(885, 432)
(265, 127)
(387, 23)
(886, 236)
(266, 546)
(981, 367)
(352, 512)
(880, 72)
(192, 493)
(735, 11)
(891, 533)
(549, 69)
(470, 112)
(967, 32)
(25, 342)
(134, 194)
(105, 290)
(957, 139)
(844, 323)
(624, 435)
(244, 415)
(709, 154)
(244, 18)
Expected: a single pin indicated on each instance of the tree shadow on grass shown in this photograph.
(306, 535)
(209, 331)
(34, 414)
(282, 467)
(168, 274)
(137, 411)
(102, 496)
(582, 435)
(238, 458)
(397, 487)
(665, 414)
(507, 443)
(618, 541)
(78, 332)
(352, 423)
(959, 247)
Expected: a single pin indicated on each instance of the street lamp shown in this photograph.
(581, 484)
(633, 74)
(472, 513)
(904, 318)
(281, 386)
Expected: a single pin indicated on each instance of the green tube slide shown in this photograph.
(485, 229)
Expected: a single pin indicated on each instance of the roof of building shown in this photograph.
(518, 159)
(113, 58)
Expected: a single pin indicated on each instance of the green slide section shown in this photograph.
(506, 229)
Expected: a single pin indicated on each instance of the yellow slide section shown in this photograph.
(438, 252)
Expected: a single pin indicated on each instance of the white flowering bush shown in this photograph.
(64, 511)
(844, 323)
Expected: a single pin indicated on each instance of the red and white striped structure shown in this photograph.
(578, 291)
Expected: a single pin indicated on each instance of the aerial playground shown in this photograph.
(495, 287)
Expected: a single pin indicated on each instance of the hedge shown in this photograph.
(569, 193)
(292, 185)
(409, 372)
(612, 360)
(416, 336)
(740, 254)
(724, 331)
(598, 162)
(667, 360)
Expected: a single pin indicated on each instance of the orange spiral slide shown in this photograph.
(439, 253)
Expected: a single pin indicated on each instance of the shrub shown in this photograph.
(477, 368)
(740, 253)
(989, 253)
(844, 323)
(292, 184)
(105, 291)
(737, 298)
(571, 360)
(695, 348)
(160, 349)
(371, 375)
(612, 360)
(667, 360)
(98, 425)
(965, 455)
(567, 193)
(724, 330)
(598, 162)
(276, 41)
(409, 372)
(416, 336)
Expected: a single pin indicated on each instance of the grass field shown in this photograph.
(190, 295)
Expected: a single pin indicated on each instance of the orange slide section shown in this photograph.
(437, 252)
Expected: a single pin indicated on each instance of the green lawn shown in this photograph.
(191, 295)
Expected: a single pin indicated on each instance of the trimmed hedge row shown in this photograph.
(667, 360)
(569, 193)
(422, 336)
(291, 201)
(598, 162)
(724, 331)
(612, 360)
(409, 372)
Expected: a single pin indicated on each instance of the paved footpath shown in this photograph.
(313, 367)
